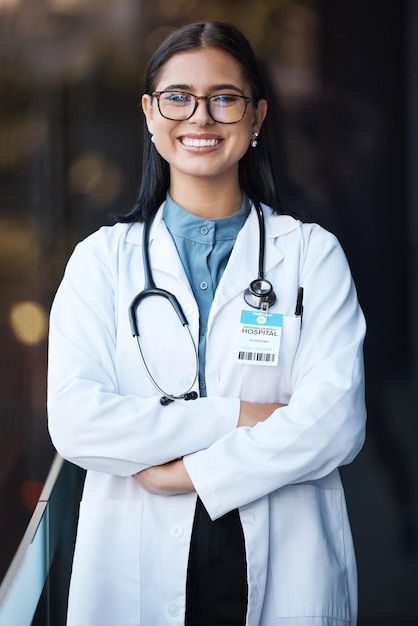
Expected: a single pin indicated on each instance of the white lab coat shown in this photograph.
(131, 555)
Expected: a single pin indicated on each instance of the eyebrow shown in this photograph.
(220, 87)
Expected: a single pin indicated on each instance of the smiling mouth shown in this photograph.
(199, 143)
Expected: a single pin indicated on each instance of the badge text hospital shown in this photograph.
(260, 336)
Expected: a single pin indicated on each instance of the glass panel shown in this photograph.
(48, 541)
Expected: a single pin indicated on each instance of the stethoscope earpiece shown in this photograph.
(191, 395)
(164, 400)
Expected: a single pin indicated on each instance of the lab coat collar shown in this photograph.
(242, 267)
(163, 254)
(275, 226)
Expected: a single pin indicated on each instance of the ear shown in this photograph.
(148, 110)
(259, 115)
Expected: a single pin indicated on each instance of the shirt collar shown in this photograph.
(185, 224)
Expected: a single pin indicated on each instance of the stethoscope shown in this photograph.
(259, 295)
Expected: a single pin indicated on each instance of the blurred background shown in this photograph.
(343, 90)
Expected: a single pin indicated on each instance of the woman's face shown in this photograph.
(200, 147)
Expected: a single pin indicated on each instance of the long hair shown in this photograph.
(256, 173)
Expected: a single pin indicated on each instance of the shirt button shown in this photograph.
(204, 230)
(203, 285)
(176, 531)
(173, 610)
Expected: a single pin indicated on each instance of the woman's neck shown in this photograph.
(210, 199)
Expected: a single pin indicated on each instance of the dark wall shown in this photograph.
(362, 130)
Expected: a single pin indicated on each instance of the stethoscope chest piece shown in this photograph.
(260, 292)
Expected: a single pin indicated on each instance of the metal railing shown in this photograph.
(25, 580)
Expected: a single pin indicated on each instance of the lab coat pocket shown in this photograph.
(272, 383)
(308, 553)
(106, 565)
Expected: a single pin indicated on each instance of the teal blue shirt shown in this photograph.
(204, 247)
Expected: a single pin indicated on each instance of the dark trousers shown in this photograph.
(216, 592)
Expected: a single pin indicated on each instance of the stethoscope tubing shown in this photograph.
(165, 394)
(259, 294)
(150, 289)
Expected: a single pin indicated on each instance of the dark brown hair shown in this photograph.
(256, 174)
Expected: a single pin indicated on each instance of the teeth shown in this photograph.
(198, 143)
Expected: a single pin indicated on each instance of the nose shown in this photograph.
(201, 115)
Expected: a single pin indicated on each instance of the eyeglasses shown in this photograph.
(179, 106)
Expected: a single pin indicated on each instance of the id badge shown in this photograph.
(259, 338)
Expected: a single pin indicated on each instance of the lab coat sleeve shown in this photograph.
(90, 422)
(323, 426)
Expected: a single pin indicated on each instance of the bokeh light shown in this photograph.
(29, 322)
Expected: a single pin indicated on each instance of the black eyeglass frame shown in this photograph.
(157, 94)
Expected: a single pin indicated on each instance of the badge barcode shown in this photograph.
(256, 356)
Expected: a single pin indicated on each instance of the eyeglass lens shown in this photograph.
(224, 108)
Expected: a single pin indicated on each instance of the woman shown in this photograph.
(212, 493)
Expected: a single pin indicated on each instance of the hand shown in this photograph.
(170, 479)
(252, 412)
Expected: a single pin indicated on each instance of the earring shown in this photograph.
(152, 139)
(254, 140)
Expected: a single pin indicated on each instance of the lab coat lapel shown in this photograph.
(242, 267)
(167, 269)
(163, 255)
